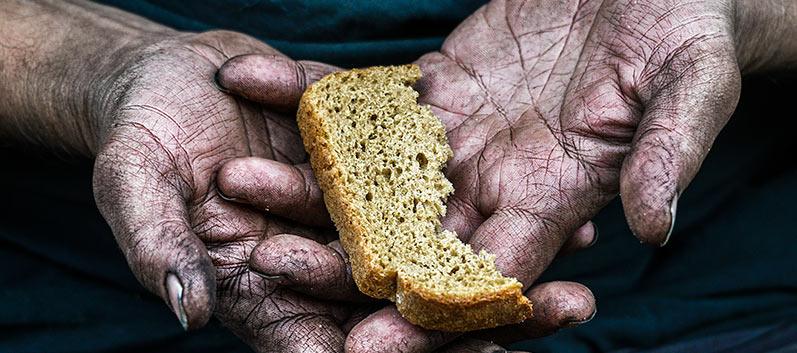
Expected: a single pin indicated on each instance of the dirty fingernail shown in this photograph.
(217, 84)
(263, 275)
(225, 197)
(673, 209)
(581, 322)
(175, 290)
(595, 236)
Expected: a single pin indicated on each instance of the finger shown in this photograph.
(272, 318)
(270, 79)
(386, 331)
(470, 345)
(306, 266)
(557, 305)
(682, 117)
(461, 217)
(524, 242)
(583, 238)
(359, 313)
(370, 334)
(281, 189)
(146, 210)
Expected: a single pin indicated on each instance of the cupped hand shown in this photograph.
(161, 145)
(553, 109)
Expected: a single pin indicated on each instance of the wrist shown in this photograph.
(766, 35)
(59, 62)
(105, 90)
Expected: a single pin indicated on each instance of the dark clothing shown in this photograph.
(727, 281)
(347, 33)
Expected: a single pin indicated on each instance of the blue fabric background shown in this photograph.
(65, 287)
(345, 33)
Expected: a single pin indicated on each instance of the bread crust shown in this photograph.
(428, 310)
(348, 219)
(456, 314)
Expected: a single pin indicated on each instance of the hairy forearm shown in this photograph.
(58, 64)
(766, 34)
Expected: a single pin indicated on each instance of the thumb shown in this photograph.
(683, 115)
(146, 211)
(273, 80)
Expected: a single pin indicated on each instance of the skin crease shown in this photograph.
(157, 164)
(150, 111)
(160, 128)
(554, 109)
(162, 131)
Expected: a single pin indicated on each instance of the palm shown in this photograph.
(499, 83)
(541, 114)
(552, 108)
(173, 132)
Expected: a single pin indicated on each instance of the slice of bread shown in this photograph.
(378, 156)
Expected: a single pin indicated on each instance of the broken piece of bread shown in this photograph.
(377, 156)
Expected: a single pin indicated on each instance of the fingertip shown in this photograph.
(673, 213)
(267, 256)
(269, 79)
(595, 235)
(584, 237)
(561, 304)
(648, 189)
(232, 73)
(231, 178)
(387, 331)
(274, 80)
(190, 291)
(174, 264)
(305, 266)
(290, 191)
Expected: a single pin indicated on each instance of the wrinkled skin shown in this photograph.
(154, 182)
(552, 109)
(155, 172)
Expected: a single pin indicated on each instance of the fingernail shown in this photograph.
(263, 275)
(175, 291)
(673, 209)
(595, 236)
(224, 197)
(217, 84)
(581, 322)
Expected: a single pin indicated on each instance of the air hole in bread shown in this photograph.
(378, 157)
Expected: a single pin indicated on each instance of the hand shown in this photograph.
(160, 149)
(552, 109)
(83, 77)
(291, 194)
